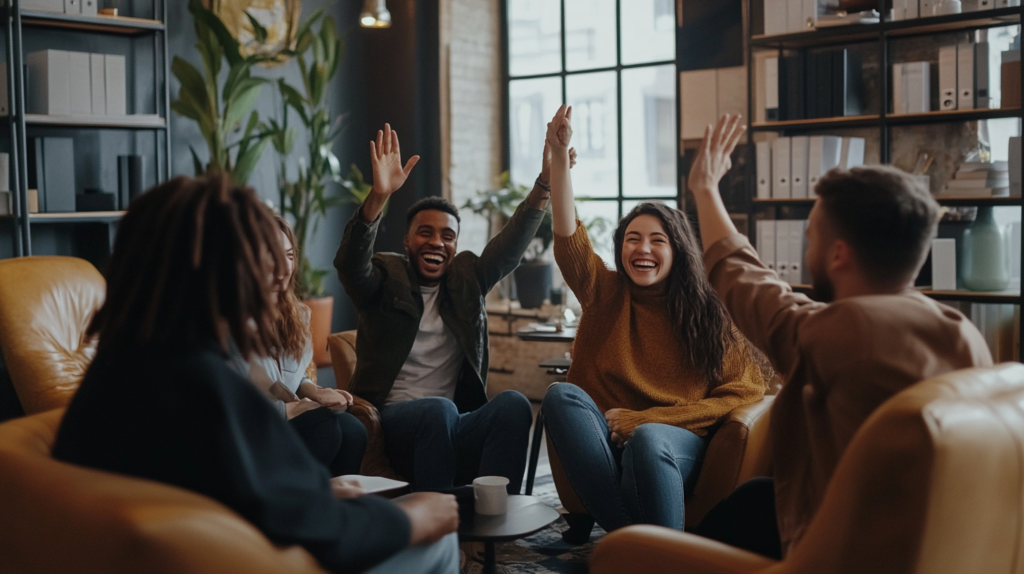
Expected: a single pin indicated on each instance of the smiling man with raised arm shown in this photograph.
(422, 346)
(869, 335)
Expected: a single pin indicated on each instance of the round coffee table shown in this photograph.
(526, 515)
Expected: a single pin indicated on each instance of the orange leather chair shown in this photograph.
(46, 304)
(57, 517)
(932, 483)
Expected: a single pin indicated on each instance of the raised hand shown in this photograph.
(545, 168)
(560, 129)
(713, 161)
(386, 156)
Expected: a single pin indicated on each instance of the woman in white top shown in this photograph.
(335, 437)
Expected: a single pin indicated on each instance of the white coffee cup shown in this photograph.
(491, 495)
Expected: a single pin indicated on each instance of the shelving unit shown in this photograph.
(143, 40)
(881, 35)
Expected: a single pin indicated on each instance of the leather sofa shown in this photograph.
(932, 483)
(57, 517)
(736, 453)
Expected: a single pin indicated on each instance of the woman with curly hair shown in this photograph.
(656, 361)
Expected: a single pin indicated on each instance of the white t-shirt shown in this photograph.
(434, 361)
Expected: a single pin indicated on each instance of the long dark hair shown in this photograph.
(192, 262)
(702, 324)
(292, 328)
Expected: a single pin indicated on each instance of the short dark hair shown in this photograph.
(192, 262)
(435, 203)
(887, 217)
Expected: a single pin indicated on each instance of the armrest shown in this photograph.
(375, 459)
(737, 452)
(656, 550)
(343, 357)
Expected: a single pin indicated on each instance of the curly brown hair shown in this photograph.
(292, 327)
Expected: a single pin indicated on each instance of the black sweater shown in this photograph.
(186, 419)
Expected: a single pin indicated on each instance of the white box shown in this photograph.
(114, 84)
(899, 88)
(732, 91)
(918, 87)
(927, 8)
(44, 5)
(98, 84)
(764, 170)
(766, 242)
(796, 19)
(697, 102)
(799, 155)
(944, 264)
(947, 78)
(782, 187)
(824, 154)
(965, 76)
(90, 7)
(49, 84)
(852, 154)
(782, 251)
(771, 89)
(982, 83)
(72, 6)
(776, 17)
(797, 229)
(81, 98)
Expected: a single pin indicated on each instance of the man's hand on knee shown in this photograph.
(431, 514)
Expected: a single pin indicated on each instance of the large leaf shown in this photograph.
(242, 101)
(248, 159)
(203, 16)
(294, 99)
(193, 83)
(257, 29)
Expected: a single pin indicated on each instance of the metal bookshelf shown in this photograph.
(22, 23)
(881, 34)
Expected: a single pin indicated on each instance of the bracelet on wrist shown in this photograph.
(545, 186)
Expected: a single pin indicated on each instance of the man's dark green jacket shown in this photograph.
(386, 293)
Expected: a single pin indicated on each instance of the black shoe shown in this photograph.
(580, 526)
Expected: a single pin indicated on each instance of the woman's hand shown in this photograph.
(618, 435)
(560, 130)
(296, 408)
(713, 161)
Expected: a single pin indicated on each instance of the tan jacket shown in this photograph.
(839, 361)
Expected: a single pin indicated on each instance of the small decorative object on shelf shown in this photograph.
(986, 262)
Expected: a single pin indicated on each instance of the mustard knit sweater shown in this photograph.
(626, 354)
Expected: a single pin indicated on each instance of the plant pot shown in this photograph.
(321, 312)
(986, 259)
(533, 284)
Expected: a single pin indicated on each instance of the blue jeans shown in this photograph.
(428, 441)
(643, 483)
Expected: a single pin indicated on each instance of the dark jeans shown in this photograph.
(746, 519)
(643, 483)
(337, 440)
(428, 441)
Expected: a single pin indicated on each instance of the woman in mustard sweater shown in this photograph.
(655, 362)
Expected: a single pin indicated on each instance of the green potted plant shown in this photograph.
(533, 276)
(220, 110)
(305, 198)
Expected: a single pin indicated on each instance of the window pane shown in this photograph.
(589, 34)
(600, 219)
(595, 133)
(648, 31)
(534, 37)
(531, 103)
(649, 132)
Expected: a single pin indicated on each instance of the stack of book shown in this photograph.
(790, 167)
(979, 179)
(813, 85)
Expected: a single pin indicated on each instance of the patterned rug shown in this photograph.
(544, 552)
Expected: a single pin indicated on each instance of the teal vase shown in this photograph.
(986, 261)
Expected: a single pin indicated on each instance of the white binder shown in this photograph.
(799, 158)
(766, 242)
(982, 83)
(944, 264)
(697, 102)
(918, 87)
(114, 75)
(776, 17)
(771, 89)
(81, 98)
(49, 88)
(947, 78)
(965, 75)
(852, 154)
(797, 229)
(98, 84)
(782, 187)
(782, 263)
(824, 153)
(764, 170)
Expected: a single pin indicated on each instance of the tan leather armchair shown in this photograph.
(737, 453)
(343, 357)
(57, 517)
(933, 483)
(46, 304)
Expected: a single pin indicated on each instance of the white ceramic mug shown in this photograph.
(491, 495)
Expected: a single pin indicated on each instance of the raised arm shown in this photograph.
(563, 209)
(353, 261)
(708, 169)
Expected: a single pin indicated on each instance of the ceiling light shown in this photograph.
(375, 15)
